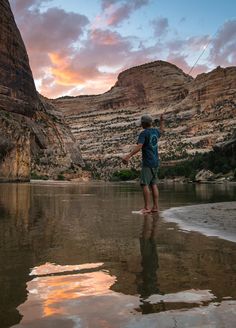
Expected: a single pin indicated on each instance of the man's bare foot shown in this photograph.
(145, 210)
(154, 210)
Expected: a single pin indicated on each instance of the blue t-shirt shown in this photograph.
(149, 139)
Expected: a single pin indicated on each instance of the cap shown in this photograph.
(144, 119)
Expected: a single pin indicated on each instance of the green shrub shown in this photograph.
(60, 177)
(125, 175)
(35, 176)
(213, 161)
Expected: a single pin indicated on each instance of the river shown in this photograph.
(74, 255)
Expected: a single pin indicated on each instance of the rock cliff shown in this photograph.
(199, 113)
(34, 136)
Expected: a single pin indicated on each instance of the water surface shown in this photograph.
(74, 256)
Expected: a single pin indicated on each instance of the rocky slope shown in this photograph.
(34, 135)
(198, 114)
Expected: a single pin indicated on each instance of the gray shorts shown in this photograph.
(148, 175)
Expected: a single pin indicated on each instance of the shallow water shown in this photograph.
(74, 256)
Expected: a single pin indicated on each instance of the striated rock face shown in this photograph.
(16, 77)
(34, 135)
(155, 84)
(198, 114)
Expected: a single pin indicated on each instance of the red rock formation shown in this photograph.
(34, 137)
(15, 73)
(198, 113)
(150, 85)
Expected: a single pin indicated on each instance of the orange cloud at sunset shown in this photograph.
(71, 54)
(61, 72)
(105, 38)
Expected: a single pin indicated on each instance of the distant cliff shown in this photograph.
(34, 138)
(198, 114)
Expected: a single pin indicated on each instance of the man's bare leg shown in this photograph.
(155, 197)
(146, 196)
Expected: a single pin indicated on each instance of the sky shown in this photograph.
(78, 47)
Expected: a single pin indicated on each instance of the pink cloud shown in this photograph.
(54, 30)
(58, 66)
(181, 62)
(194, 43)
(51, 89)
(83, 69)
(160, 26)
(67, 55)
(116, 11)
(23, 5)
(223, 51)
(105, 4)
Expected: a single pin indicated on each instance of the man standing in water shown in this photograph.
(148, 142)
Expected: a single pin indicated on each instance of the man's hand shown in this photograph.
(136, 149)
(126, 159)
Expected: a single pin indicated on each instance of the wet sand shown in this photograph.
(216, 219)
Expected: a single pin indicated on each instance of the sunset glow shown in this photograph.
(69, 44)
(52, 295)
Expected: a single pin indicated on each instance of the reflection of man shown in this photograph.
(149, 262)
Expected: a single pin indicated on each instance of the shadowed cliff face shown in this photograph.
(198, 113)
(34, 136)
(16, 78)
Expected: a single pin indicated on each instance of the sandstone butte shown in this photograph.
(34, 137)
(199, 114)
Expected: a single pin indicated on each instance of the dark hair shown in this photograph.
(146, 125)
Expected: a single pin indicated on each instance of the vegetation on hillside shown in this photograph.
(216, 162)
(125, 175)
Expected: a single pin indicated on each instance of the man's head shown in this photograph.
(146, 121)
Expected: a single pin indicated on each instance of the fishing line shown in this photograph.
(199, 57)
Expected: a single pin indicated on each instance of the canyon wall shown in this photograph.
(34, 138)
(199, 113)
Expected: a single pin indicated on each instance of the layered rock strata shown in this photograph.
(34, 135)
(198, 114)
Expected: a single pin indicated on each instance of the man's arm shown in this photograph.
(162, 127)
(136, 149)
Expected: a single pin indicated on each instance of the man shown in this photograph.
(148, 142)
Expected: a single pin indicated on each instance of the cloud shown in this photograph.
(51, 89)
(185, 52)
(70, 55)
(21, 6)
(116, 11)
(160, 26)
(105, 4)
(95, 66)
(53, 30)
(194, 43)
(136, 4)
(181, 61)
(223, 50)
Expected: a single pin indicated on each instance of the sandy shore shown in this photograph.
(215, 219)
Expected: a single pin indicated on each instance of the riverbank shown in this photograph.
(216, 219)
